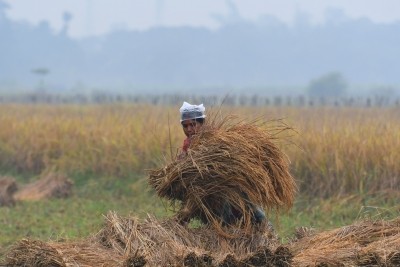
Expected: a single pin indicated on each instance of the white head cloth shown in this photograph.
(191, 112)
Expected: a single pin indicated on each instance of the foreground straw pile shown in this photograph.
(367, 243)
(130, 242)
(229, 161)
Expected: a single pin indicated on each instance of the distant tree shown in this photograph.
(384, 94)
(67, 19)
(330, 85)
(384, 90)
(41, 72)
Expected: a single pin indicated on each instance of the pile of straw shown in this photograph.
(8, 187)
(366, 243)
(52, 185)
(131, 242)
(167, 243)
(57, 254)
(229, 161)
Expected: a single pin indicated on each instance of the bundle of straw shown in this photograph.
(132, 242)
(384, 252)
(87, 253)
(165, 242)
(229, 161)
(8, 187)
(57, 254)
(34, 253)
(51, 185)
(366, 243)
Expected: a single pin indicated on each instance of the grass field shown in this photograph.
(82, 214)
(345, 162)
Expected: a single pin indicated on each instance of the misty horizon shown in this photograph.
(259, 55)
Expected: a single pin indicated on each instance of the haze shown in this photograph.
(174, 45)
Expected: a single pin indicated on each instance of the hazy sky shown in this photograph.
(94, 17)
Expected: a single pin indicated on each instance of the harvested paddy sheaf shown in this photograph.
(8, 187)
(132, 242)
(51, 185)
(229, 161)
(365, 243)
(128, 241)
(167, 242)
(58, 254)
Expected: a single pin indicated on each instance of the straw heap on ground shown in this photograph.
(131, 242)
(50, 185)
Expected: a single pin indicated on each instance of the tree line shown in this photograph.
(255, 100)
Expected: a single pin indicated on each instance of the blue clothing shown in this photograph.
(258, 214)
(231, 215)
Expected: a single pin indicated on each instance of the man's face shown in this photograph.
(191, 127)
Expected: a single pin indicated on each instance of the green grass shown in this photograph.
(324, 214)
(82, 214)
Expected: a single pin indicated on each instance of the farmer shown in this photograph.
(192, 120)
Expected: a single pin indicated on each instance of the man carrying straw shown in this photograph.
(228, 172)
(192, 121)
